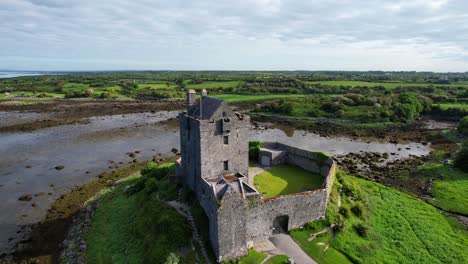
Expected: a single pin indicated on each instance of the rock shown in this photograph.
(59, 167)
(132, 155)
(33, 204)
(28, 166)
(39, 194)
(174, 150)
(100, 176)
(26, 198)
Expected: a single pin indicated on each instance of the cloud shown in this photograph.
(250, 34)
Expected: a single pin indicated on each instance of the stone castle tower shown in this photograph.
(214, 164)
(214, 140)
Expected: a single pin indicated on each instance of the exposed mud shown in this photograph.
(421, 131)
(44, 243)
(64, 112)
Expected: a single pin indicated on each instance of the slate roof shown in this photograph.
(209, 107)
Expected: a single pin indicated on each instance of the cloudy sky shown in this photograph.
(417, 35)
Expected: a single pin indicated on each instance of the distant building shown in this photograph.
(214, 164)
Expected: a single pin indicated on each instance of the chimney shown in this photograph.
(203, 93)
(191, 98)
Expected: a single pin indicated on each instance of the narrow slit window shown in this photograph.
(226, 165)
(226, 140)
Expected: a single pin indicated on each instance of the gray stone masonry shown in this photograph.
(214, 164)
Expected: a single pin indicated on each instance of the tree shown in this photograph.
(461, 159)
(59, 87)
(463, 126)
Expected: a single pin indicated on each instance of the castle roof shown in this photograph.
(209, 106)
(228, 184)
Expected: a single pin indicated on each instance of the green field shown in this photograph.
(213, 85)
(236, 98)
(286, 179)
(399, 228)
(448, 191)
(459, 106)
(388, 85)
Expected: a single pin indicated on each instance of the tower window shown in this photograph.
(226, 140)
(226, 165)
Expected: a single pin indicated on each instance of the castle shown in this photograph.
(214, 164)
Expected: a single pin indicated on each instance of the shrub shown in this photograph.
(344, 211)
(361, 229)
(149, 167)
(339, 223)
(254, 150)
(463, 126)
(151, 185)
(357, 209)
(461, 159)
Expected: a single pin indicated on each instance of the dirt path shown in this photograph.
(184, 210)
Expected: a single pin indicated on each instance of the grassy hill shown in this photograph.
(394, 227)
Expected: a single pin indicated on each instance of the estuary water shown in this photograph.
(28, 160)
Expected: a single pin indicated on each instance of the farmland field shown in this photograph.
(234, 98)
(388, 85)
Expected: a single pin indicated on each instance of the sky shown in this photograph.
(394, 35)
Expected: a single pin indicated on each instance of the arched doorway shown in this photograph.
(280, 224)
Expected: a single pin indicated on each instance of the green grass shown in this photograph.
(279, 259)
(401, 229)
(253, 257)
(135, 228)
(235, 98)
(315, 248)
(388, 85)
(213, 85)
(450, 191)
(286, 179)
(458, 106)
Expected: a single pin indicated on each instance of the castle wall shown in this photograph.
(232, 223)
(189, 149)
(300, 208)
(215, 152)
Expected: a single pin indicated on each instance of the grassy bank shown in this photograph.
(449, 186)
(132, 224)
(392, 227)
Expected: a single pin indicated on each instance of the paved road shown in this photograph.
(286, 244)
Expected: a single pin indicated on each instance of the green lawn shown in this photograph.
(253, 257)
(388, 85)
(450, 191)
(279, 259)
(234, 98)
(400, 229)
(286, 179)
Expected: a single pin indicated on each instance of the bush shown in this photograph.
(254, 150)
(339, 222)
(361, 229)
(151, 185)
(344, 211)
(461, 159)
(463, 126)
(357, 209)
(148, 168)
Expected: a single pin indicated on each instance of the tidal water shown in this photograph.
(27, 160)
